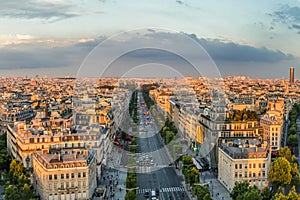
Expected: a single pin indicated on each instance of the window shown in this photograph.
(72, 175)
(79, 174)
(263, 173)
(240, 175)
(50, 187)
(67, 184)
(250, 174)
(241, 166)
(55, 186)
(254, 174)
(72, 184)
(78, 184)
(254, 165)
(55, 177)
(259, 165)
(246, 174)
(83, 184)
(62, 176)
(264, 165)
(236, 166)
(62, 186)
(50, 177)
(250, 165)
(67, 175)
(236, 174)
(83, 174)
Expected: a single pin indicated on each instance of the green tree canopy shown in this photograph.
(252, 194)
(238, 189)
(292, 140)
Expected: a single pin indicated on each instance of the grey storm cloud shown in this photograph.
(286, 14)
(31, 9)
(230, 51)
(296, 26)
(31, 56)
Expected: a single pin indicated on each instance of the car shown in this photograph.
(157, 191)
(153, 195)
(147, 195)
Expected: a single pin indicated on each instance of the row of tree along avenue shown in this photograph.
(292, 140)
(191, 174)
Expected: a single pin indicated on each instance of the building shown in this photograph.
(64, 176)
(24, 139)
(272, 124)
(244, 160)
(292, 75)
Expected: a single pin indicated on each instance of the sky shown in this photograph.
(58, 37)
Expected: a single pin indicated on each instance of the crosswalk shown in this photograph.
(166, 189)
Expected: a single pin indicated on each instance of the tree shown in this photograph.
(293, 129)
(201, 192)
(238, 189)
(252, 194)
(12, 193)
(207, 197)
(5, 158)
(169, 136)
(293, 140)
(130, 195)
(292, 195)
(266, 194)
(187, 160)
(286, 153)
(280, 172)
(27, 192)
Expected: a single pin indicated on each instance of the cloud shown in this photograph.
(296, 26)
(230, 51)
(286, 14)
(179, 2)
(37, 9)
(37, 55)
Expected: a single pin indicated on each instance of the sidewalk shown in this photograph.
(112, 179)
(217, 190)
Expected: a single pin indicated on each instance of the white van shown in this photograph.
(153, 195)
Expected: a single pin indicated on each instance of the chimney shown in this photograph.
(45, 151)
(58, 156)
(85, 153)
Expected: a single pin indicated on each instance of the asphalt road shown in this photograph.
(154, 172)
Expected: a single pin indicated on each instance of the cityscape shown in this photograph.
(172, 100)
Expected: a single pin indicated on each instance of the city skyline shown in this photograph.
(54, 37)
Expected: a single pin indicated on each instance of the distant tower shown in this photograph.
(292, 75)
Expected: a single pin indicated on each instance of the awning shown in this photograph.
(195, 162)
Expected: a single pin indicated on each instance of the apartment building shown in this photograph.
(244, 160)
(59, 176)
(272, 124)
(24, 139)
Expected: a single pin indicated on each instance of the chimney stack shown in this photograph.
(58, 156)
(85, 153)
